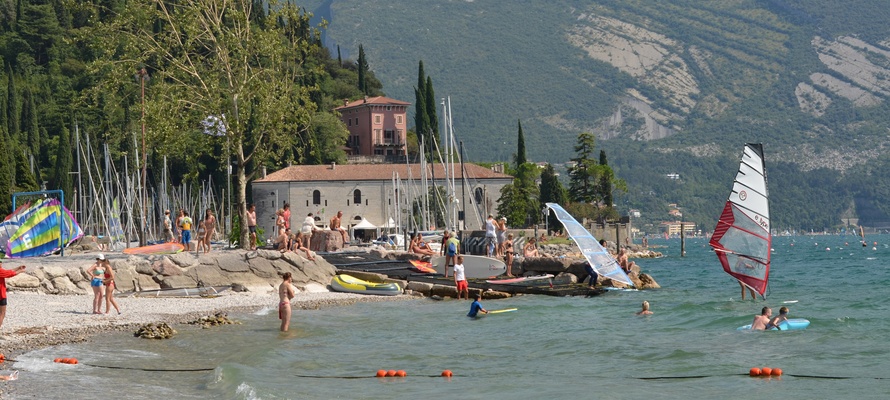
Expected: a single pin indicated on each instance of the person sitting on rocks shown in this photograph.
(530, 250)
(297, 245)
(419, 246)
(282, 242)
(625, 264)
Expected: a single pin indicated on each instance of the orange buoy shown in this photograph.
(391, 372)
(777, 372)
(381, 373)
(755, 371)
(447, 373)
(401, 373)
(766, 371)
(73, 361)
(58, 360)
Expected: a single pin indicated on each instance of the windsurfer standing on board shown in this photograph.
(762, 321)
(753, 296)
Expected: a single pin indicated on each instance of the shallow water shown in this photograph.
(555, 347)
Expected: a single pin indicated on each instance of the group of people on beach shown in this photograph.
(286, 240)
(102, 282)
(180, 230)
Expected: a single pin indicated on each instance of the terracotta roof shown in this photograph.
(381, 100)
(370, 172)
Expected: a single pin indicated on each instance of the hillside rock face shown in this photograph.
(258, 270)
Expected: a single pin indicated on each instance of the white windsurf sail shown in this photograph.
(600, 259)
(742, 236)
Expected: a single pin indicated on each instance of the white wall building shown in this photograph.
(372, 192)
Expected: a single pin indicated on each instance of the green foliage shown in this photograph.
(235, 233)
(362, 70)
(61, 179)
(552, 191)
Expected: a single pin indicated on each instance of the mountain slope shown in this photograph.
(668, 87)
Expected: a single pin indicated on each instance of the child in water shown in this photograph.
(476, 307)
(783, 316)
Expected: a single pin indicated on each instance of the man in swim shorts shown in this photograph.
(761, 321)
(286, 293)
(251, 225)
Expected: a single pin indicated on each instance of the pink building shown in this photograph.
(377, 125)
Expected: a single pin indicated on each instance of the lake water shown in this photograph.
(571, 347)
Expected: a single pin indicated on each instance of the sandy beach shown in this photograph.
(35, 320)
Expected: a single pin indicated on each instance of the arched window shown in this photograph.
(316, 197)
(357, 197)
(478, 195)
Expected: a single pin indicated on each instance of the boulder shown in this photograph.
(40, 275)
(23, 281)
(646, 282)
(495, 295)
(299, 277)
(314, 287)
(164, 267)
(145, 282)
(256, 264)
(443, 291)
(326, 240)
(233, 262)
(141, 265)
(175, 281)
(47, 286)
(544, 264)
(251, 281)
(55, 272)
(206, 275)
(183, 259)
(63, 285)
(152, 331)
(420, 287)
(379, 252)
(565, 278)
(75, 275)
(124, 277)
(269, 254)
(84, 286)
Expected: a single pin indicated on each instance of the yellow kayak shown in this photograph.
(351, 284)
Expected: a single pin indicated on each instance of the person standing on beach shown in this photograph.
(185, 223)
(762, 321)
(307, 229)
(209, 228)
(452, 250)
(501, 233)
(279, 221)
(168, 227)
(6, 273)
(508, 254)
(109, 288)
(97, 275)
(335, 226)
(491, 238)
(460, 279)
(251, 225)
(179, 216)
(286, 293)
(476, 307)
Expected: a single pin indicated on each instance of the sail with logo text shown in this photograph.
(742, 236)
(598, 257)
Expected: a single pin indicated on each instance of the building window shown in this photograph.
(388, 136)
(378, 152)
(478, 195)
(348, 121)
(388, 108)
(356, 121)
(398, 119)
(376, 119)
(357, 197)
(316, 197)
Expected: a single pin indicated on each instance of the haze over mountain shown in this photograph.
(667, 87)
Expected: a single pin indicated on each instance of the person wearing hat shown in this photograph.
(6, 273)
(97, 278)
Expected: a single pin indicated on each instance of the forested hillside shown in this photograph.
(667, 87)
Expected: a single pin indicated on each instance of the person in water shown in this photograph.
(645, 310)
(286, 293)
(476, 307)
(761, 322)
(753, 296)
(97, 274)
(782, 317)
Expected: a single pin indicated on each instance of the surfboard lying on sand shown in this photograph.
(160, 248)
(791, 324)
(475, 267)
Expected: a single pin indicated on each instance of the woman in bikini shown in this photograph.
(508, 254)
(209, 228)
(109, 289)
(286, 293)
(529, 250)
(298, 245)
(97, 272)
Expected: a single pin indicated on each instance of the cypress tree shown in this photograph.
(13, 111)
(605, 180)
(339, 57)
(61, 179)
(431, 115)
(421, 120)
(25, 181)
(362, 70)
(7, 165)
(520, 147)
(31, 127)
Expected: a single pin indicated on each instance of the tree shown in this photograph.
(605, 184)
(362, 70)
(431, 114)
(584, 175)
(61, 179)
(520, 146)
(421, 118)
(7, 173)
(552, 191)
(13, 110)
(31, 127)
(207, 58)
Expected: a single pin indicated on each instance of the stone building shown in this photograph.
(373, 192)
